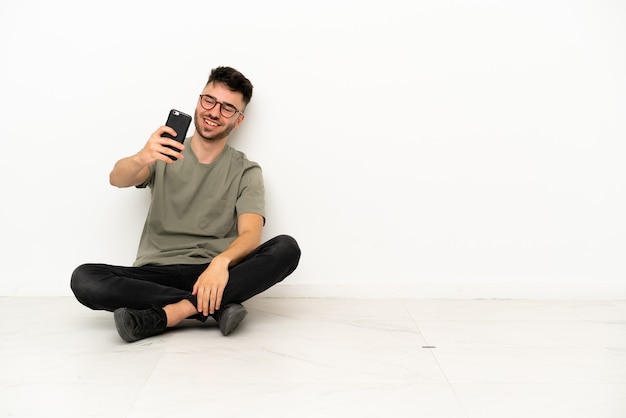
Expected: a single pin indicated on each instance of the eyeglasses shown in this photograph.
(227, 110)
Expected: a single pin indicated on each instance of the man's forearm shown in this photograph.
(128, 172)
(243, 245)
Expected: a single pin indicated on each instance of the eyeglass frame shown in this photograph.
(221, 106)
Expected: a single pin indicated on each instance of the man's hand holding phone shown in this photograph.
(161, 148)
(166, 143)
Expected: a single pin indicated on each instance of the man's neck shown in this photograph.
(207, 151)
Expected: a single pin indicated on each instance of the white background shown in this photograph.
(413, 148)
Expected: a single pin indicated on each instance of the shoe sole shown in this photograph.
(231, 319)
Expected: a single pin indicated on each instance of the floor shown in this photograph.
(322, 358)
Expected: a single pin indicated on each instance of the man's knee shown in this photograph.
(288, 246)
(288, 252)
(80, 282)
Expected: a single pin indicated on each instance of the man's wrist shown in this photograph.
(221, 261)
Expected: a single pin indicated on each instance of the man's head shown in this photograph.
(234, 80)
(222, 103)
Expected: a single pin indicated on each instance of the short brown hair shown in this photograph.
(234, 80)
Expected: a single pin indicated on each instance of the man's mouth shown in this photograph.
(210, 123)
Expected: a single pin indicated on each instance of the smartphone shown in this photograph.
(180, 122)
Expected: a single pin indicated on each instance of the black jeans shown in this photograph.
(107, 287)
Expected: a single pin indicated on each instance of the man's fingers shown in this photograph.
(218, 299)
(212, 301)
(200, 298)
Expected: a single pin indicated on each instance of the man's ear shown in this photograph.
(240, 119)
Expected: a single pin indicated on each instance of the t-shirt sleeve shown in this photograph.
(251, 197)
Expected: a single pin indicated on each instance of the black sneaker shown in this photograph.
(134, 324)
(229, 317)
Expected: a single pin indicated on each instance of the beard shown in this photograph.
(206, 135)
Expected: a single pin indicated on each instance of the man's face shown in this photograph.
(211, 124)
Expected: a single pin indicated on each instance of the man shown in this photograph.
(200, 252)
